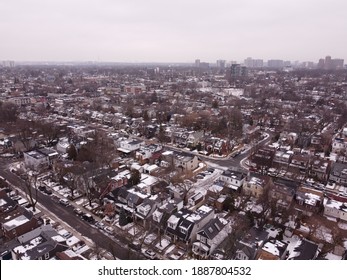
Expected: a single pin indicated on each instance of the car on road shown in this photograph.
(150, 254)
(87, 217)
(48, 191)
(100, 225)
(64, 201)
(78, 211)
(109, 230)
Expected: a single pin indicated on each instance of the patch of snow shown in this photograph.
(342, 225)
(162, 244)
(150, 238)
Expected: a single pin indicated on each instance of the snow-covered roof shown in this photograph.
(16, 222)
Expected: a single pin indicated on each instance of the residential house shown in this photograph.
(338, 173)
(263, 158)
(185, 162)
(255, 185)
(282, 158)
(63, 145)
(221, 147)
(248, 246)
(216, 145)
(40, 158)
(304, 250)
(339, 145)
(194, 137)
(251, 132)
(299, 164)
(310, 199)
(273, 249)
(113, 181)
(150, 169)
(210, 237)
(130, 145)
(196, 200)
(147, 183)
(133, 199)
(320, 169)
(42, 243)
(282, 192)
(335, 209)
(165, 211)
(213, 194)
(180, 137)
(148, 154)
(234, 180)
(183, 225)
(145, 210)
(17, 222)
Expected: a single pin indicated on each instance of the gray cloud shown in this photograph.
(177, 31)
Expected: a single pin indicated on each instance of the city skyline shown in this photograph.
(137, 32)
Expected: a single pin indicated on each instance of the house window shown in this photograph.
(172, 225)
(183, 230)
(47, 256)
(203, 239)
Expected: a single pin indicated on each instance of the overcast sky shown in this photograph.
(172, 31)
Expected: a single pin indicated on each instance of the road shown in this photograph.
(67, 216)
(228, 162)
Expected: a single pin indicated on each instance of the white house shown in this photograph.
(41, 158)
(209, 237)
(335, 209)
(130, 145)
(233, 179)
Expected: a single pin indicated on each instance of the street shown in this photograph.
(67, 216)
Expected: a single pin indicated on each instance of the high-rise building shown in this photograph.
(8, 63)
(221, 64)
(330, 64)
(253, 63)
(338, 63)
(237, 70)
(197, 63)
(275, 63)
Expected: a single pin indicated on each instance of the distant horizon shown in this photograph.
(161, 62)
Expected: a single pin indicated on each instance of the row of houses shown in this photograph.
(26, 236)
(302, 165)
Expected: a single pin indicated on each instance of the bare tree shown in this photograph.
(31, 189)
(49, 132)
(8, 112)
(239, 226)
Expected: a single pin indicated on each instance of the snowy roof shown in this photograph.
(173, 220)
(274, 247)
(16, 222)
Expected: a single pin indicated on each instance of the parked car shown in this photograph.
(78, 211)
(64, 201)
(48, 191)
(87, 217)
(100, 225)
(109, 230)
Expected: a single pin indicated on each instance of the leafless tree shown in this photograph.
(239, 226)
(31, 189)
